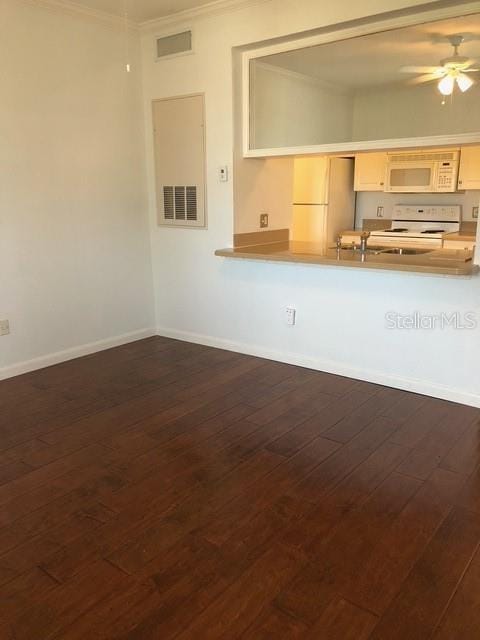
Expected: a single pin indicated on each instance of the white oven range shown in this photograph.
(419, 226)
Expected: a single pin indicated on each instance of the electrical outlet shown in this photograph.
(380, 212)
(4, 327)
(475, 213)
(223, 174)
(291, 316)
(263, 220)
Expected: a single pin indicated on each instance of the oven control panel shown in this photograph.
(428, 213)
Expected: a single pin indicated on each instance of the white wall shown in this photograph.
(264, 186)
(74, 251)
(341, 313)
(291, 109)
(406, 112)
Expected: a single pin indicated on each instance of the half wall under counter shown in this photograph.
(441, 262)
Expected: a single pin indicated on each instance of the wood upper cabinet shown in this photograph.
(469, 174)
(370, 171)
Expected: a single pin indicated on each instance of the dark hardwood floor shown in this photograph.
(167, 490)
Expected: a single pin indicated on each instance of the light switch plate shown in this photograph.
(291, 314)
(4, 327)
(263, 220)
(475, 213)
(223, 174)
(380, 212)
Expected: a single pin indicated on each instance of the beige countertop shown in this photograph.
(462, 237)
(448, 262)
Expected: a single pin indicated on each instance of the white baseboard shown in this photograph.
(415, 385)
(74, 352)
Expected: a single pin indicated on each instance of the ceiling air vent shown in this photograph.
(174, 45)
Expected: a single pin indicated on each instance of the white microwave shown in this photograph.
(426, 172)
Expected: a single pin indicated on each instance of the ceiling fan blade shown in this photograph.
(421, 69)
(470, 70)
(428, 77)
(469, 62)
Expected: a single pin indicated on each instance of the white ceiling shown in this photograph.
(141, 10)
(376, 59)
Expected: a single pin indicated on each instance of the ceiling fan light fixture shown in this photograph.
(464, 82)
(446, 85)
(452, 71)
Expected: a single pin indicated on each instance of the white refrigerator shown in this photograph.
(323, 199)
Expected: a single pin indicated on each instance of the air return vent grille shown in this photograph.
(168, 203)
(180, 162)
(191, 203)
(174, 45)
(423, 157)
(180, 204)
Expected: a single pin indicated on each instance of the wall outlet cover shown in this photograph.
(475, 213)
(380, 212)
(263, 220)
(291, 316)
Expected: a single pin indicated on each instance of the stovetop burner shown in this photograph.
(420, 224)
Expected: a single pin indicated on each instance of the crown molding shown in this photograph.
(217, 7)
(68, 7)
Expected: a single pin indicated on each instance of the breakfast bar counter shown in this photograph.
(443, 262)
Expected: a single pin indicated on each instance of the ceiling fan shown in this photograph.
(451, 71)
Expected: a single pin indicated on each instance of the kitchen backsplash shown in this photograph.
(369, 201)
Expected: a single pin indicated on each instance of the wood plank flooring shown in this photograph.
(167, 490)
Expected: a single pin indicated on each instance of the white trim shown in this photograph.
(217, 7)
(367, 25)
(248, 119)
(415, 385)
(476, 255)
(335, 33)
(210, 9)
(456, 140)
(75, 352)
(74, 9)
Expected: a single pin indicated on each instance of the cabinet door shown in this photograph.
(370, 170)
(469, 175)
